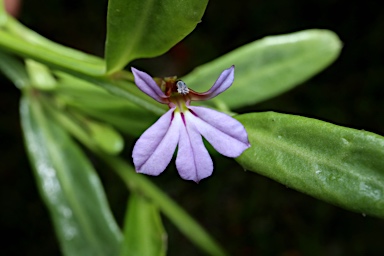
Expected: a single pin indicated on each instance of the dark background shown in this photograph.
(247, 213)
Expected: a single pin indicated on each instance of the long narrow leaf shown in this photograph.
(69, 186)
(14, 70)
(97, 103)
(125, 89)
(178, 216)
(144, 233)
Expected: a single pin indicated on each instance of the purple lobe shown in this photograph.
(146, 84)
(224, 81)
(227, 135)
(154, 149)
(193, 161)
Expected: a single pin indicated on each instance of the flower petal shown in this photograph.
(227, 135)
(146, 84)
(193, 161)
(154, 149)
(224, 81)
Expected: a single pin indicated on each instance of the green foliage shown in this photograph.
(84, 97)
(269, 66)
(20, 40)
(14, 70)
(69, 93)
(147, 28)
(40, 76)
(139, 184)
(342, 166)
(3, 15)
(178, 216)
(107, 138)
(144, 233)
(69, 185)
(124, 89)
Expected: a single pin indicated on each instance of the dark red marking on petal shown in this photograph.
(193, 112)
(183, 118)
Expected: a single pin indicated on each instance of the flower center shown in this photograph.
(179, 95)
(182, 87)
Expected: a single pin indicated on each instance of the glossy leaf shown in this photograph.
(69, 186)
(14, 70)
(269, 66)
(340, 165)
(144, 233)
(147, 28)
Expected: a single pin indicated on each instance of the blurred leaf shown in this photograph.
(40, 76)
(178, 216)
(269, 66)
(340, 165)
(3, 14)
(99, 104)
(81, 92)
(69, 186)
(27, 43)
(14, 70)
(125, 89)
(109, 140)
(147, 28)
(126, 120)
(144, 233)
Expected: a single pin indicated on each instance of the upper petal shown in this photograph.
(227, 135)
(224, 81)
(193, 161)
(154, 149)
(146, 84)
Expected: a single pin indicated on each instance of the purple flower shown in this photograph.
(183, 126)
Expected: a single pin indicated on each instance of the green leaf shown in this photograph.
(340, 165)
(107, 138)
(27, 43)
(133, 121)
(69, 186)
(3, 14)
(269, 66)
(147, 28)
(179, 217)
(14, 70)
(125, 89)
(144, 233)
(96, 102)
(40, 76)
